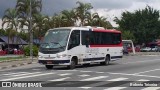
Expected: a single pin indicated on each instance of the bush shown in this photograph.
(27, 50)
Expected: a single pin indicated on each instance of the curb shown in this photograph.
(158, 54)
(16, 65)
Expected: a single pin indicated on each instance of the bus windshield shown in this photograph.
(55, 39)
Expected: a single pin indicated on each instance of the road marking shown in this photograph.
(60, 79)
(142, 61)
(25, 74)
(99, 72)
(65, 74)
(36, 69)
(14, 73)
(151, 88)
(117, 79)
(150, 55)
(86, 71)
(85, 87)
(143, 80)
(84, 75)
(94, 78)
(120, 73)
(9, 79)
(134, 75)
(147, 71)
(115, 88)
(66, 70)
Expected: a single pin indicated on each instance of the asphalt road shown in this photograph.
(124, 74)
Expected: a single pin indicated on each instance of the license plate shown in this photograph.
(49, 62)
(47, 57)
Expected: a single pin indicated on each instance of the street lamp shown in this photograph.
(30, 31)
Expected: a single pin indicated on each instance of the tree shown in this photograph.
(68, 17)
(143, 24)
(10, 18)
(2, 32)
(91, 19)
(23, 8)
(82, 10)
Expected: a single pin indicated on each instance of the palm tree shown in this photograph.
(23, 8)
(10, 18)
(102, 22)
(40, 25)
(68, 17)
(91, 19)
(82, 10)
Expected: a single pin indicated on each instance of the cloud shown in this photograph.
(106, 8)
(5, 4)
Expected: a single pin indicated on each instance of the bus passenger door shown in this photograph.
(86, 43)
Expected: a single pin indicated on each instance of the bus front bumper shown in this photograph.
(54, 62)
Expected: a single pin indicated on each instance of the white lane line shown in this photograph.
(151, 88)
(94, 78)
(86, 71)
(85, 87)
(99, 72)
(115, 88)
(26, 74)
(143, 80)
(36, 69)
(103, 83)
(9, 79)
(60, 79)
(142, 61)
(147, 71)
(120, 73)
(65, 74)
(67, 70)
(14, 73)
(84, 75)
(118, 79)
(125, 74)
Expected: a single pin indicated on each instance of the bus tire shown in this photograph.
(106, 62)
(49, 66)
(72, 65)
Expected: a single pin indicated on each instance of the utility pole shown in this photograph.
(31, 32)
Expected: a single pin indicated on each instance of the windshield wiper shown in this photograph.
(58, 44)
(44, 43)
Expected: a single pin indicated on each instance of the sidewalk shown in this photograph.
(144, 53)
(15, 62)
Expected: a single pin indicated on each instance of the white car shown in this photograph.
(146, 49)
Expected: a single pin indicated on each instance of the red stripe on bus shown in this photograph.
(112, 31)
(119, 45)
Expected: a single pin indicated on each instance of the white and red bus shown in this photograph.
(73, 46)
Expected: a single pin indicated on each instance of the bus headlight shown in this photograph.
(61, 55)
(40, 56)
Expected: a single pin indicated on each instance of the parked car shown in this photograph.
(137, 49)
(145, 49)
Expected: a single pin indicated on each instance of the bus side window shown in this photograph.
(74, 39)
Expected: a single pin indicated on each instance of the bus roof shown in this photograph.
(88, 28)
(107, 30)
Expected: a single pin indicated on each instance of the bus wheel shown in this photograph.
(72, 65)
(106, 62)
(49, 66)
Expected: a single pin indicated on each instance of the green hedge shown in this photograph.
(27, 50)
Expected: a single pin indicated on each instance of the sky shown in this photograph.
(106, 8)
